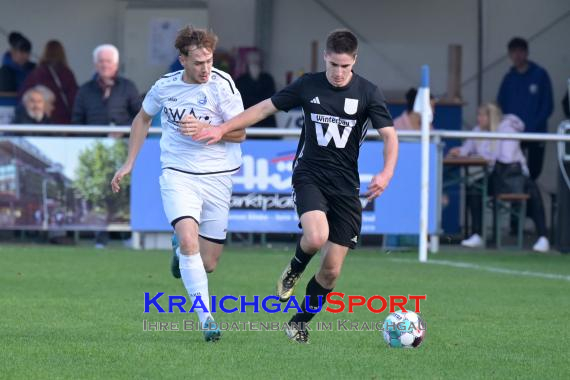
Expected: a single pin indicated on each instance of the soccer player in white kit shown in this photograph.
(196, 182)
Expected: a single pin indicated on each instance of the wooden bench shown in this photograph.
(504, 205)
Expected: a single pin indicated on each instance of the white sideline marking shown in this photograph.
(460, 264)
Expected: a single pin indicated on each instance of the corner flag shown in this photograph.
(423, 107)
(422, 102)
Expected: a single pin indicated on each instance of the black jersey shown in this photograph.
(336, 122)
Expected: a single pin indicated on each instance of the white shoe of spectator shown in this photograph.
(541, 245)
(474, 241)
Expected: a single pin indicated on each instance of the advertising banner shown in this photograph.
(262, 202)
(62, 183)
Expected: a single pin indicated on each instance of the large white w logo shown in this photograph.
(333, 131)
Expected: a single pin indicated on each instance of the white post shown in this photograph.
(137, 240)
(425, 109)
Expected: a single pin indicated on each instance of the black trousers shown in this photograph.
(534, 152)
(535, 205)
(473, 199)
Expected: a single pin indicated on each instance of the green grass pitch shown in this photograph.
(70, 312)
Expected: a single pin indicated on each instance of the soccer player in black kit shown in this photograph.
(337, 105)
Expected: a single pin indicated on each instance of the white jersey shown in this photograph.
(214, 102)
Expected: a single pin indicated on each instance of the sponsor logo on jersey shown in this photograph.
(176, 114)
(350, 106)
(333, 132)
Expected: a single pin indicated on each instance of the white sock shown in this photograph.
(196, 282)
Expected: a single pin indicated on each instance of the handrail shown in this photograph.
(80, 130)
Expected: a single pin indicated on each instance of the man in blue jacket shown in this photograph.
(16, 64)
(526, 91)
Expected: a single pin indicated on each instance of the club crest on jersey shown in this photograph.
(350, 106)
(202, 99)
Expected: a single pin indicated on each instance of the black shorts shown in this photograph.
(343, 208)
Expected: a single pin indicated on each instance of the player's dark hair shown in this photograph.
(518, 43)
(198, 38)
(342, 41)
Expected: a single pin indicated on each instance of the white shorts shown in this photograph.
(206, 199)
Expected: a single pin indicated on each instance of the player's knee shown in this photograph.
(316, 239)
(188, 245)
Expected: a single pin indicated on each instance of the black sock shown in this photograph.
(300, 260)
(314, 290)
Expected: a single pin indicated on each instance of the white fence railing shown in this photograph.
(82, 130)
(435, 135)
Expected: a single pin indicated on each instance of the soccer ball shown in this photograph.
(404, 330)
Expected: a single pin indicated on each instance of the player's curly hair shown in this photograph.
(192, 37)
(342, 41)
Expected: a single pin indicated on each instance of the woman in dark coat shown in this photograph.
(54, 73)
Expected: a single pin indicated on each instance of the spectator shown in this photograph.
(107, 99)
(256, 85)
(175, 66)
(16, 63)
(54, 73)
(49, 97)
(526, 91)
(410, 120)
(501, 153)
(34, 107)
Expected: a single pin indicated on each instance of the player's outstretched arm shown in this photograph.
(139, 131)
(248, 117)
(190, 126)
(235, 136)
(381, 180)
